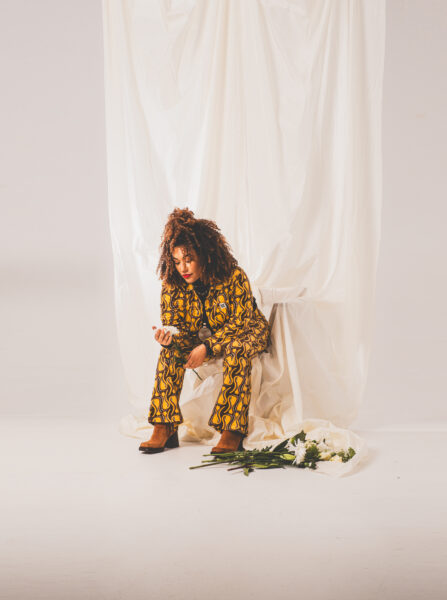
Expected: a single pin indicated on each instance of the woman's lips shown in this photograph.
(186, 276)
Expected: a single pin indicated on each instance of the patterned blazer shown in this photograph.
(230, 307)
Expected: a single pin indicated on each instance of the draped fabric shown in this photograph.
(265, 116)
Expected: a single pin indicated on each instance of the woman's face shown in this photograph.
(187, 264)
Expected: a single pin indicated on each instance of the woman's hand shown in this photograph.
(163, 337)
(196, 357)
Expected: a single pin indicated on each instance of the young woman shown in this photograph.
(207, 296)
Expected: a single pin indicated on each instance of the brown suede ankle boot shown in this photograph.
(165, 435)
(230, 441)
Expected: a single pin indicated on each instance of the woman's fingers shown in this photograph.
(192, 363)
(195, 358)
(162, 336)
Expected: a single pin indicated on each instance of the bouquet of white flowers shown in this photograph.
(296, 451)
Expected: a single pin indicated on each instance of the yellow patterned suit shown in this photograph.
(239, 332)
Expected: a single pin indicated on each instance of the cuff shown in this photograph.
(208, 349)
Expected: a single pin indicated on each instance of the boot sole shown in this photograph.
(223, 450)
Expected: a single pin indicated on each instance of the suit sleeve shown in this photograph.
(172, 314)
(241, 312)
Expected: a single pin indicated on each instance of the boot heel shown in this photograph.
(173, 441)
(155, 444)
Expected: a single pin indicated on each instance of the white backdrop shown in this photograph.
(266, 117)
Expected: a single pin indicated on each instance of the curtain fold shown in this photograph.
(265, 116)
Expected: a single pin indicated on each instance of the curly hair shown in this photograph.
(202, 235)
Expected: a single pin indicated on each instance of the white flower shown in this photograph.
(322, 446)
(290, 447)
(299, 451)
(325, 455)
(336, 458)
(171, 329)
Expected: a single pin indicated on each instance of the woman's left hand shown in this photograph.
(196, 357)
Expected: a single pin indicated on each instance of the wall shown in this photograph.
(60, 354)
(408, 379)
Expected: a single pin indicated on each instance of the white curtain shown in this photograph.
(265, 116)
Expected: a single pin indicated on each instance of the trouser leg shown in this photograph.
(231, 409)
(169, 375)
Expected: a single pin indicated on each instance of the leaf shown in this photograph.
(298, 436)
(280, 446)
(312, 453)
(345, 456)
(288, 457)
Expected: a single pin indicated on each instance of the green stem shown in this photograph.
(200, 466)
(197, 375)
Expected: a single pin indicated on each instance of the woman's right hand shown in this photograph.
(163, 337)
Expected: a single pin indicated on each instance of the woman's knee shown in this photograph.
(169, 363)
(237, 347)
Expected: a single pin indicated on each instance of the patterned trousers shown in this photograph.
(231, 408)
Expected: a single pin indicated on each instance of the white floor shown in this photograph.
(86, 516)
